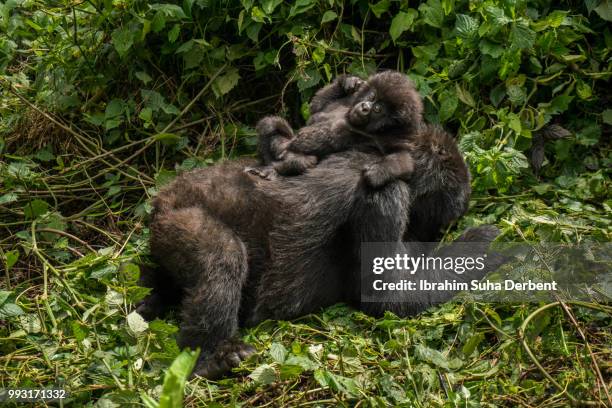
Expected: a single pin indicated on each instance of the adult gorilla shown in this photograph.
(237, 249)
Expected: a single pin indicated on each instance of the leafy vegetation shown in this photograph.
(104, 101)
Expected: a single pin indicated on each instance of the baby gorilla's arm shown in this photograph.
(399, 165)
(341, 87)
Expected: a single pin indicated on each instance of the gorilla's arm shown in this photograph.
(339, 88)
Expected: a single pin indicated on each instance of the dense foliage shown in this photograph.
(103, 101)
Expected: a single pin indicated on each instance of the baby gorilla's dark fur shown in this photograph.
(240, 249)
(377, 115)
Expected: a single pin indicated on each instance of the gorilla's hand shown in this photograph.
(351, 84)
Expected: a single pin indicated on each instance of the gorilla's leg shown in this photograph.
(210, 262)
(165, 293)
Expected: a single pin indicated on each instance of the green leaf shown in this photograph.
(304, 362)
(604, 10)
(606, 116)
(8, 198)
(35, 209)
(432, 356)
(472, 343)
(264, 374)
(169, 139)
(136, 324)
(10, 258)
(103, 271)
(301, 6)
(380, 8)
(490, 48)
(113, 109)
(403, 21)
(122, 39)
(521, 36)
(560, 104)
(432, 12)
(328, 16)
(174, 33)
(278, 352)
(465, 96)
(466, 26)
(270, 5)
(516, 95)
(175, 378)
(448, 104)
(10, 310)
(258, 15)
(79, 330)
(226, 82)
(164, 177)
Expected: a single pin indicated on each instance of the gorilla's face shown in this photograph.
(372, 113)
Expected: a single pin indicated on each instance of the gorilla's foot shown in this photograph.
(227, 355)
(272, 125)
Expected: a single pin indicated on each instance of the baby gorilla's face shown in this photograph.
(371, 113)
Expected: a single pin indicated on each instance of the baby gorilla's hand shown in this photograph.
(227, 356)
(352, 84)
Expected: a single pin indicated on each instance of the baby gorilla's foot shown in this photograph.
(267, 173)
(294, 164)
(376, 175)
(228, 355)
(274, 125)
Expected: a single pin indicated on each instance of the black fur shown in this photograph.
(377, 115)
(243, 249)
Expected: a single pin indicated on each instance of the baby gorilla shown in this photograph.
(374, 116)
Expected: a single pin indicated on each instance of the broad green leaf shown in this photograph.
(8, 198)
(465, 96)
(35, 209)
(466, 26)
(136, 323)
(606, 116)
(226, 82)
(328, 16)
(113, 109)
(10, 259)
(448, 104)
(169, 139)
(175, 378)
(380, 8)
(403, 21)
(174, 33)
(432, 12)
(122, 40)
(264, 374)
(521, 36)
(473, 342)
(604, 9)
(301, 6)
(270, 5)
(278, 352)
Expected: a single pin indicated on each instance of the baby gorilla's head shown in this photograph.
(387, 103)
